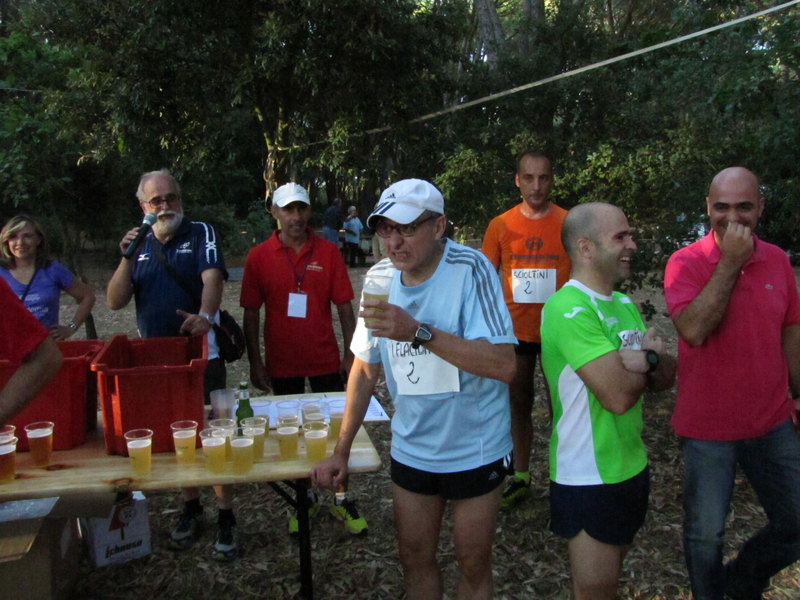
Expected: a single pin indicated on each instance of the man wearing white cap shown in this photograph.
(296, 276)
(445, 341)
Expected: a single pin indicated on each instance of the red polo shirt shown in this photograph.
(294, 346)
(735, 385)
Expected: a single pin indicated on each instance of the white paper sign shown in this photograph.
(297, 305)
(420, 372)
(533, 286)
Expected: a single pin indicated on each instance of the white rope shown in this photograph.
(591, 67)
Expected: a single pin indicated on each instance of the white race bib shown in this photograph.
(420, 372)
(533, 286)
(631, 339)
(297, 305)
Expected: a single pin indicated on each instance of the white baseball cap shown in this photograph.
(288, 193)
(404, 201)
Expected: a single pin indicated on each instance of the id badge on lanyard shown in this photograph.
(298, 303)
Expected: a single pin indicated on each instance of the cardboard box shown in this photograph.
(121, 537)
(39, 553)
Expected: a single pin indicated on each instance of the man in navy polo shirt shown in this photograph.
(165, 307)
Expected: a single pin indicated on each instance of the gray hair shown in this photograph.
(162, 172)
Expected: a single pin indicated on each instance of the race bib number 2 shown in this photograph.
(533, 286)
(420, 372)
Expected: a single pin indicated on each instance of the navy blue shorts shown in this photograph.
(460, 485)
(610, 513)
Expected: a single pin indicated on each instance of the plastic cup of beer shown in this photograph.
(213, 450)
(375, 287)
(8, 459)
(40, 441)
(140, 446)
(288, 413)
(335, 414)
(184, 435)
(256, 427)
(287, 441)
(316, 437)
(242, 449)
(7, 432)
(225, 428)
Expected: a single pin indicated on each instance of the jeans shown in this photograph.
(772, 465)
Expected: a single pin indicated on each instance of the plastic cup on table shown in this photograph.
(287, 441)
(7, 432)
(184, 435)
(225, 428)
(8, 459)
(223, 402)
(316, 438)
(257, 428)
(335, 415)
(140, 446)
(213, 450)
(40, 441)
(288, 413)
(242, 450)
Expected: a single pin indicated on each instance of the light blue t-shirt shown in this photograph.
(352, 230)
(44, 296)
(462, 428)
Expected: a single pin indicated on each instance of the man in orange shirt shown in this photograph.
(524, 245)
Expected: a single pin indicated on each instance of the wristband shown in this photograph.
(207, 317)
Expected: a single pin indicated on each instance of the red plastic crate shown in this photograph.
(69, 400)
(149, 383)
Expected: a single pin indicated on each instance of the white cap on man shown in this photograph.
(404, 201)
(288, 193)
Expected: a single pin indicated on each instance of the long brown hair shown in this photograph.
(14, 225)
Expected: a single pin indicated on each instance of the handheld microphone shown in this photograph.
(144, 228)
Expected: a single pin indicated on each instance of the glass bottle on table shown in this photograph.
(243, 410)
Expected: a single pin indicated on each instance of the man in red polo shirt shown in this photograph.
(296, 276)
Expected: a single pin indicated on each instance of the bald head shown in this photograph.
(735, 178)
(584, 222)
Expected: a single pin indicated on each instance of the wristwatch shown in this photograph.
(207, 317)
(422, 336)
(652, 360)
(72, 326)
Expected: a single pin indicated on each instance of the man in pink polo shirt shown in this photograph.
(734, 301)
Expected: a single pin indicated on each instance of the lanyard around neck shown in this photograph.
(298, 278)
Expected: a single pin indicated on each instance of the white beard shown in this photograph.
(168, 227)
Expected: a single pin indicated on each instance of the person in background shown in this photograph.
(378, 247)
(26, 344)
(296, 277)
(38, 281)
(166, 308)
(733, 299)
(332, 222)
(524, 245)
(352, 238)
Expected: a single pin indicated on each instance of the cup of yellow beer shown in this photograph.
(213, 450)
(335, 415)
(313, 411)
(184, 436)
(40, 441)
(7, 432)
(140, 446)
(242, 450)
(288, 412)
(225, 428)
(8, 459)
(256, 427)
(375, 287)
(316, 438)
(287, 441)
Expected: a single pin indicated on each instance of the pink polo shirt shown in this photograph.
(735, 385)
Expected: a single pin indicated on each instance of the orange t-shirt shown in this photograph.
(532, 262)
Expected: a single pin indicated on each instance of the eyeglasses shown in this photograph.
(158, 201)
(384, 230)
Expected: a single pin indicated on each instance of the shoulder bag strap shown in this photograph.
(28, 287)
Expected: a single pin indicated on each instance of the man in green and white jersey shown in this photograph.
(598, 360)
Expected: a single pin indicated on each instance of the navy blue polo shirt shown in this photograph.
(193, 249)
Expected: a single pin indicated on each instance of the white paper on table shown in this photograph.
(264, 405)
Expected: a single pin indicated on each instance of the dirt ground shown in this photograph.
(529, 562)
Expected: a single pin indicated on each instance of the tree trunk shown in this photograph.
(491, 31)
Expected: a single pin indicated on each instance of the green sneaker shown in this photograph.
(225, 549)
(188, 529)
(347, 512)
(515, 491)
(313, 509)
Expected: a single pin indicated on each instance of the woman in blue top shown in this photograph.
(38, 281)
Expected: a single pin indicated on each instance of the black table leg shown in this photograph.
(300, 503)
